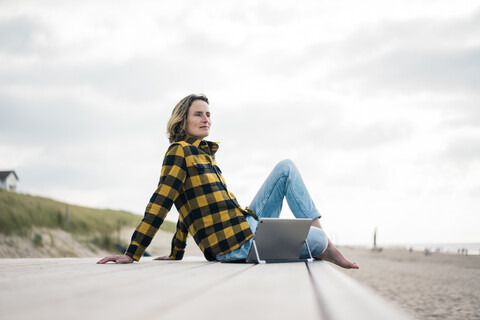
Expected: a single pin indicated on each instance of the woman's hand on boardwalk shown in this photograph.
(117, 259)
(163, 258)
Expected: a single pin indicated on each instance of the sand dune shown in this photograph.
(57, 243)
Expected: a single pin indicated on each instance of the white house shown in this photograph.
(8, 180)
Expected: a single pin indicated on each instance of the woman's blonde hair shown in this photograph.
(177, 125)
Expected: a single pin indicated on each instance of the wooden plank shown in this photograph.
(342, 298)
(79, 289)
(49, 272)
(193, 288)
(264, 291)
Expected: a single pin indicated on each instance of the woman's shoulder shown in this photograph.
(175, 146)
(178, 148)
(178, 144)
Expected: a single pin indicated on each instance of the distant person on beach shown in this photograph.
(191, 179)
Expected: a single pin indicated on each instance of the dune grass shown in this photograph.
(19, 213)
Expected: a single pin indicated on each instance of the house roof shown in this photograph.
(5, 174)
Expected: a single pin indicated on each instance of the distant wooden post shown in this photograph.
(375, 239)
(119, 229)
(67, 216)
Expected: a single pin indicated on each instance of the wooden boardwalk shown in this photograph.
(77, 288)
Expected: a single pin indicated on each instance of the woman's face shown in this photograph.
(198, 120)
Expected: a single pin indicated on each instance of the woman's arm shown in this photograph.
(172, 177)
(179, 241)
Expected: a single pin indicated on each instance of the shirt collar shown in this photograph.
(208, 147)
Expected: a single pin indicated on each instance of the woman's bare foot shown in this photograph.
(333, 255)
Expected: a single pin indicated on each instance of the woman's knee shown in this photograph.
(285, 166)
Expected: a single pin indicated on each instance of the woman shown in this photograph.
(191, 180)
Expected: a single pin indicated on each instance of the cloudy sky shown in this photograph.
(378, 103)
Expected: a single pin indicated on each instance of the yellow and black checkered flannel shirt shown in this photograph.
(191, 180)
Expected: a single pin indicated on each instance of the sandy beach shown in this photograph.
(438, 286)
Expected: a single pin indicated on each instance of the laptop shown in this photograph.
(279, 240)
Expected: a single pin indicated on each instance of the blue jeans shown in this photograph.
(285, 181)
